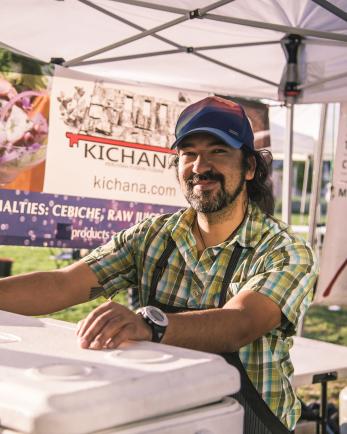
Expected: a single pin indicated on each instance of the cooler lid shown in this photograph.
(49, 384)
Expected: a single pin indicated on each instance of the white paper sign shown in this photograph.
(112, 141)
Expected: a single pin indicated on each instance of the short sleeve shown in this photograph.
(115, 263)
(289, 276)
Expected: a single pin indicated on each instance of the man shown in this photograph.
(230, 277)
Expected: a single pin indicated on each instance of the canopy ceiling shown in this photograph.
(226, 47)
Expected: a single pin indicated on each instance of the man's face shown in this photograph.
(211, 174)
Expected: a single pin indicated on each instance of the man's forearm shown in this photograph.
(243, 319)
(31, 294)
(40, 293)
(213, 330)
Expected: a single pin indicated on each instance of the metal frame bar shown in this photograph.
(168, 41)
(77, 60)
(250, 23)
(240, 71)
(144, 32)
(132, 56)
(180, 49)
(288, 167)
(168, 52)
(172, 9)
(246, 44)
(324, 80)
(186, 16)
(278, 27)
(125, 21)
(332, 8)
(200, 13)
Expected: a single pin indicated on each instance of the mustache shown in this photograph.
(207, 176)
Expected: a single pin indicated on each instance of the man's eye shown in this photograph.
(219, 151)
(188, 154)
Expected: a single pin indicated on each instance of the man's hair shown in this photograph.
(259, 189)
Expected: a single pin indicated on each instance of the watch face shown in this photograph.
(156, 315)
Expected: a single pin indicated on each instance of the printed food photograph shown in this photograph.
(24, 115)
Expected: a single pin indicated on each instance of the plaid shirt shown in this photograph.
(274, 262)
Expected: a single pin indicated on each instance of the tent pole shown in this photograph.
(317, 176)
(304, 188)
(288, 167)
(315, 190)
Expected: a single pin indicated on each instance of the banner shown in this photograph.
(332, 283)
(40, 219)
(83, 156)
(112, 141)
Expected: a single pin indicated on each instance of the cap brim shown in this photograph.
(228, 140)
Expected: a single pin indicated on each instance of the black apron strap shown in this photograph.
(162, 263)
(259, 419)
(234, 259)
(159, 270)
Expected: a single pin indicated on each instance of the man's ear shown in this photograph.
(251, 166)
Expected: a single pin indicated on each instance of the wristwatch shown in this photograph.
(156, 319)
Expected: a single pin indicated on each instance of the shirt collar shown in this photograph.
(247, 235)
(182, 225)
(251, 230)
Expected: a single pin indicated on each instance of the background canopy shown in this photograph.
(239, 47)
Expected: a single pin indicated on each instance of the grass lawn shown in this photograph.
(320, 323)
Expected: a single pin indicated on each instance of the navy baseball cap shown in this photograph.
(218, 116)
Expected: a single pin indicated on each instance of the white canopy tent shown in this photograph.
(290, 50)
(227, 46)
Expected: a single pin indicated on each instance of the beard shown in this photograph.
(207, 201)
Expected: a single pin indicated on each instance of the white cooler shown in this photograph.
(48, 385)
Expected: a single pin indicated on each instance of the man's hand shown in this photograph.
(109, 325)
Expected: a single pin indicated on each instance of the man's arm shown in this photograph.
(283, 290)
(243, 319)
(246, 317)
(40, 293)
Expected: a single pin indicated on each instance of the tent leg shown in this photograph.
(288, 167)
(315, 190)
(304, 188)
(317, 177)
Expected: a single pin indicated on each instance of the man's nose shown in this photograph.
(201, 164)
